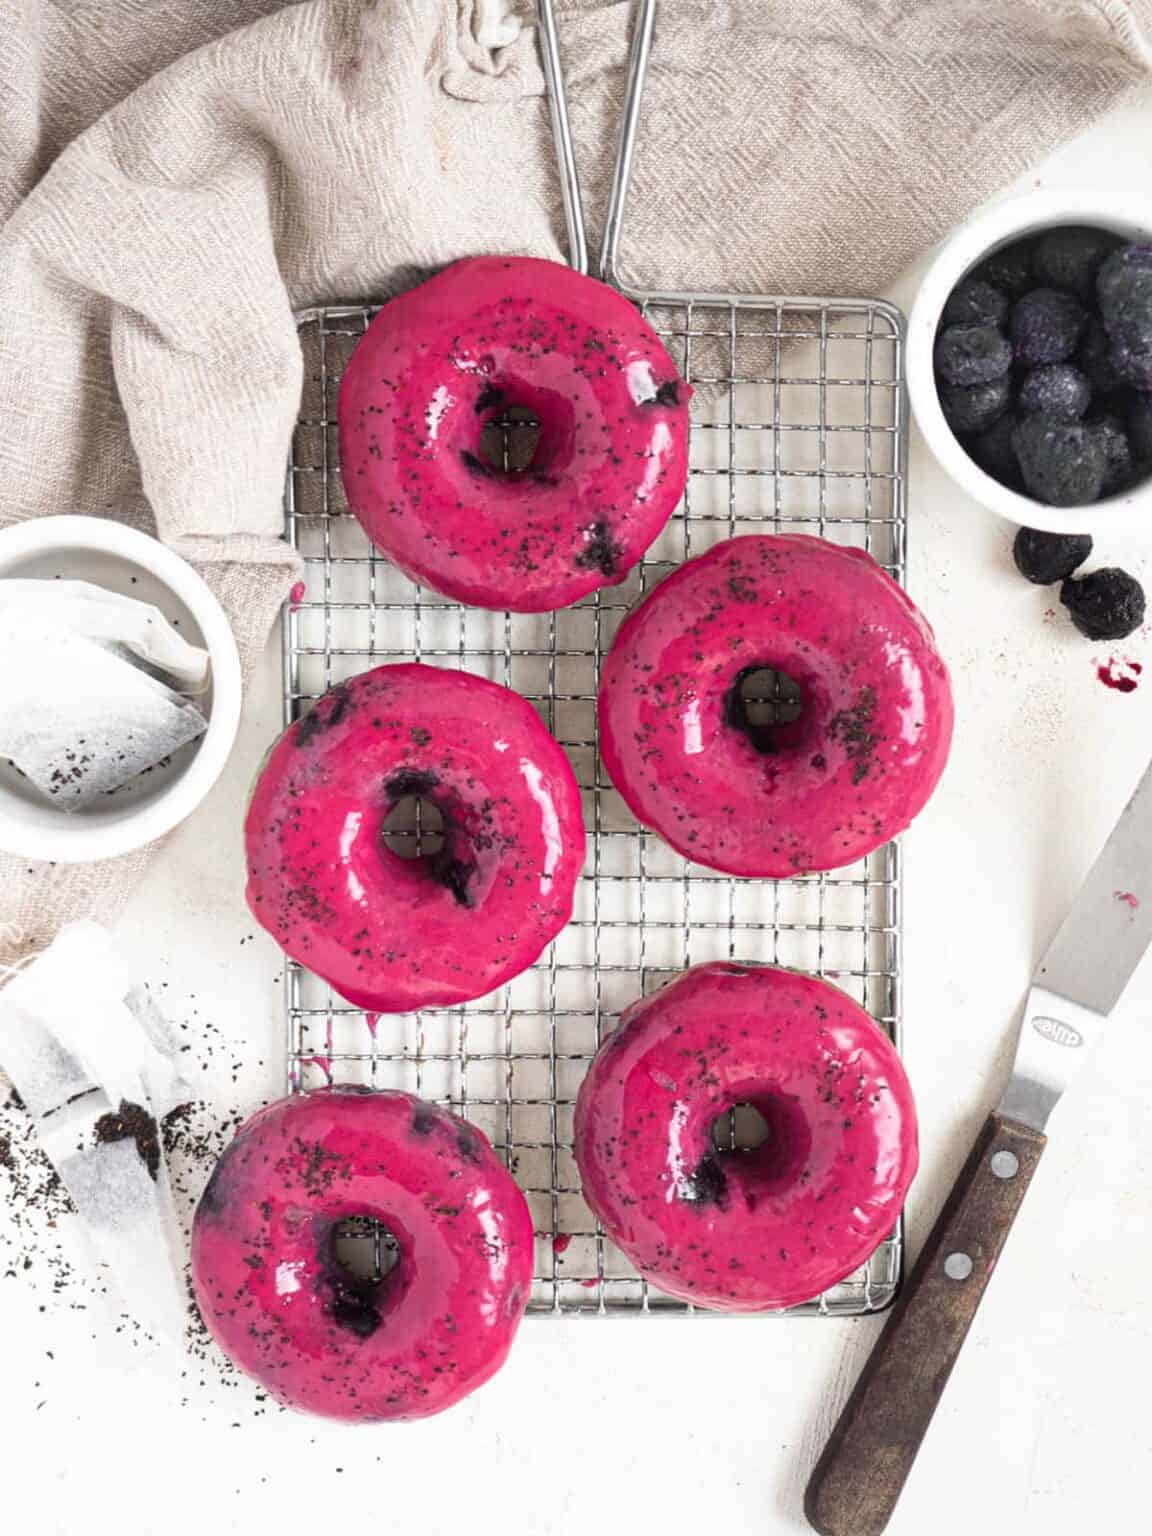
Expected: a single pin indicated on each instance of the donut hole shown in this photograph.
(523, 434)
(426, 834)
(364, 1249)
(510, 439)
(765, 704)
(765, 1141)
(743, 1128)
(414, 828)
(362, 1258)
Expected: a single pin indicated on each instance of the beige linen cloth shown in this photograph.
(172, 187)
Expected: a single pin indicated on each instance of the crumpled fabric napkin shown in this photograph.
(340, 149)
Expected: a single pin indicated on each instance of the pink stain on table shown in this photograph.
(1120, 673)
(1128, 898)
(373, 1022)
(560, 1243)
(297, 595)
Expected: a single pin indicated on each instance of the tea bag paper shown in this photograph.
(79, 719)
(122, 624)
(98, 1068)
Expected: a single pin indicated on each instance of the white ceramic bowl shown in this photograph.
(119, 558)
(1001, 225)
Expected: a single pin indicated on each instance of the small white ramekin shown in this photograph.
(117, 557)
(1002, 224)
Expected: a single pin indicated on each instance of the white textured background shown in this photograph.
(683, 1426)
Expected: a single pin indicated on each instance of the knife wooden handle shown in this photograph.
(857, 1481)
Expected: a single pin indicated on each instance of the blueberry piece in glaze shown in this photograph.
(707, 1184)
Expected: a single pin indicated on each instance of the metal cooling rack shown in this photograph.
(798, 425)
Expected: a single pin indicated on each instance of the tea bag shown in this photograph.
(121, 624)
(78, 717)
(98, 1068)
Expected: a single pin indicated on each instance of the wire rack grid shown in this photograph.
(799, 425)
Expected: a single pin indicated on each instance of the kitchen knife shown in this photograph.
(857, 1481)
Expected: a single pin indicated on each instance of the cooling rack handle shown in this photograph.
(638, 57)
(562, 137)
(858, 1480)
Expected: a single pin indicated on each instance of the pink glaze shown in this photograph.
(275, 1299)
(441, 362)
(754, 1230)
(393, 934)
(819, 792)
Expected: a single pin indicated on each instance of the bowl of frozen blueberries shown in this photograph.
(1030, 375)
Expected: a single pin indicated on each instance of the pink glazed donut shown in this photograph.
(815, 793)
(442, 362)
(746, 1231)
(276, 1299)
(392, 934)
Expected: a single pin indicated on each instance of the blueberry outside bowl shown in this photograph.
(988, 231)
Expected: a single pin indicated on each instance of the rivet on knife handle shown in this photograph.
(857, 1481)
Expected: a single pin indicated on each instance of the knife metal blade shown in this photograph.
(1087, 966)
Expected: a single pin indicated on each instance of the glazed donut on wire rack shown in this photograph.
(821, 790)
(275, 1295)
(746, 1230)
(389, 933)
(486, 341)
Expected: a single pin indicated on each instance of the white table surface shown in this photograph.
(682, 1426)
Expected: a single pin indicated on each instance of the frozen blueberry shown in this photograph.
(1094, 357)
(1139, 423)
(973, 302)
(994, 453)
(1056, 389)
(1045, 558)
(1117, 454)
(1131, 355)
(1124, 283)
(971, 354)
(1133, 362)
(1070, 258)
(1104, 605)
(1009, 269)
(1046, 326)
(1124, 289)
(1062, 462)
(972, 408)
